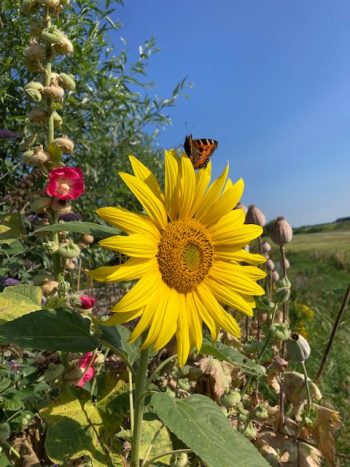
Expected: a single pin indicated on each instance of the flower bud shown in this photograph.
(57, 119)
(270, 265)
(286, 263)
(40, 204)
(266, 247)
(54, 372)
(86, 302)
(89, 239)
(52, 36)
(275, 276)
(61, 206)
(69, 250)
(33, 90)
(281, 232)
(283, 291)
(298, 348)
(53, 92)
(230, 399)
(37, 115)
(255, 216)
(65, 144)
(67, 81)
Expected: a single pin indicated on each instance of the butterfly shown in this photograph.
(199, 150)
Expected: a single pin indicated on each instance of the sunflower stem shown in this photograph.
(140, 386)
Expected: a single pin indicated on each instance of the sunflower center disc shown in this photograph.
(185, 254)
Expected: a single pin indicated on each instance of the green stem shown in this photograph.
(166, 453)
(131, 401)
(159, 367)
(141, 381)
(309, 400)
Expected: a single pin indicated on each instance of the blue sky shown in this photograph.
(271, 82)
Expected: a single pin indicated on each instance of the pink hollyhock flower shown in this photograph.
(65, 183)
(89, 373)
(86, 302)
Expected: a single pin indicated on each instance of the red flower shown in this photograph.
(65, 183)
(89, 373)
(86, 302)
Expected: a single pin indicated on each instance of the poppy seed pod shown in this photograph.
(52, 36)
(67, 81)
(242, 206)
(37, 115)
(65, 144)
(281, 232)
(53, 92)
(255, 216)
(275, 276)
(266, 247)
(269, 265)
(298, 348)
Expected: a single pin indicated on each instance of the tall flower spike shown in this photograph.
(186, 252)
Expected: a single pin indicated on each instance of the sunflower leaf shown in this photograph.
(232, 355)
(97, 230)
(201, 425)
(19, 300)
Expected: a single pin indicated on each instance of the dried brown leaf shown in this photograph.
(327, 422)
(309, 456)
(219, 374)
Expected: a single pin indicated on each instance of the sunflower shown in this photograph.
(186, 251)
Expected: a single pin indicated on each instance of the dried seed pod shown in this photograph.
(298, 348)
(35, 52)
(67, 81)
(61, 206)
(39, 155)
(57, 119)
(38, 115)
(49, 287)
(255, 216)
(53, 92)
(88, 239)
(65, 144)
(69, 250)
(281, 232)
(242, 206)
(36, 27)
(29, 6)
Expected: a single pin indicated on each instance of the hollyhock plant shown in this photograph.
(86, 302)
(85, 364)
(65, 183)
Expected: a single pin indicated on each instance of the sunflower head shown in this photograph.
(187, 253)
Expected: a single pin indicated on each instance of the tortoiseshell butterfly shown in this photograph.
(199, 150)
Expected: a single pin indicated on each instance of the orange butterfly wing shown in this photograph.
(199, 150)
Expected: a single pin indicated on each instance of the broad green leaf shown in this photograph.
(61, 329)
(11, 227)
(19, 300)
(75, 429)
(116, 337)
(97, 230)
(232, 355)
(153, 432)
(202, 426)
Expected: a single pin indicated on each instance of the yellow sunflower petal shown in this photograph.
(135, 245)
(206, 316)
(171, 183)
(213, 194)
(133, 268)
(152, 205)
(139, 294)
(224, 204)
(194, 321)
(202, 182)
(143, 173)
(225, 320)
(187, 187)
(246, 257)
(227, 296)
(240, 236)
(225, 227)
(145, 321)
(127, 221)
(240, 278)
(121, 318)
(182, 333)
(169, 321)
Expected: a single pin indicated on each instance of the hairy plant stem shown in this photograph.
(285, 319)
(309, 401)
(139, 403)
(332, 336)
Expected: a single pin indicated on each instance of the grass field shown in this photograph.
(320, 275)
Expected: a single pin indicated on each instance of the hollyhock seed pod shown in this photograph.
(255, 216)
(35, 52)
(65, 46)
(298, 348)
(49, 287)
(65, 144)
(281, 232)
(52, 36)
(54, 92)
(57, 119)
(69, 250)
(230, 399)
(39, 155)
(33, 89)
(37, 115)
(67, 81)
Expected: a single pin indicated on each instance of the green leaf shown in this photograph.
(11, 227)
(153, 432)
(97, 230)
(232, 355)
(61, 329)
(116, 337)
(19, 300)
(201, 425)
